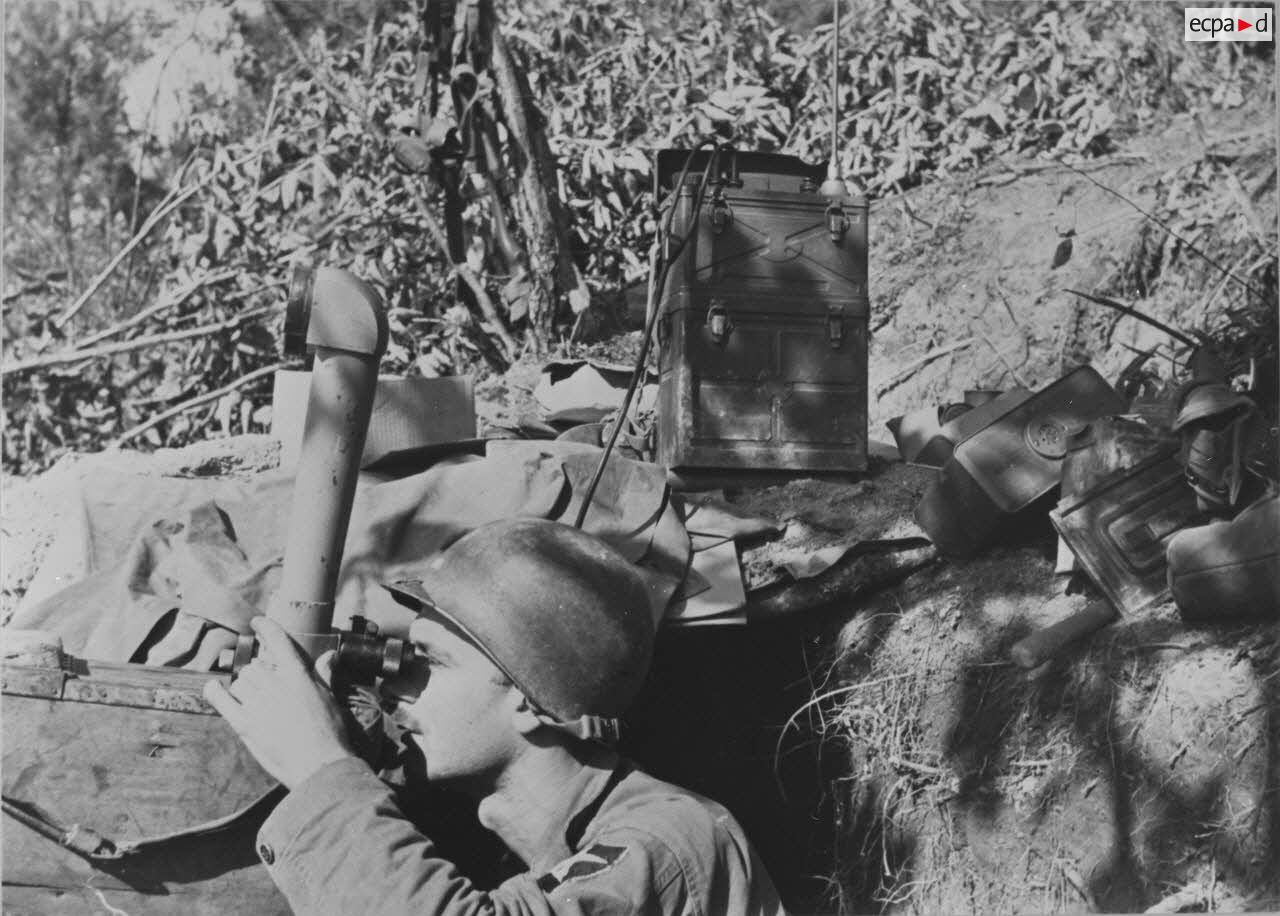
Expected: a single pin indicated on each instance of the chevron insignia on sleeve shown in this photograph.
(589, 862)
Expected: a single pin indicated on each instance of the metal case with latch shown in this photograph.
(1120, 529)
(763, 323)
(1012, 461)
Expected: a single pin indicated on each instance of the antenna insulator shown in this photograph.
(833, 188)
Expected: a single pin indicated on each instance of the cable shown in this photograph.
(651, 307)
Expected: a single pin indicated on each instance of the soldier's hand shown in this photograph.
(281, 709)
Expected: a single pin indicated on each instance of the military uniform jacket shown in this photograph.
(339, 844)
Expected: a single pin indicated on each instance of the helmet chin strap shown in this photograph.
(588, 728)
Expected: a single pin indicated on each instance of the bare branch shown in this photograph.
(139, 343)
(171, 300)
(1166, 227)
(138, 237)
(177, 198)
(1134, 313)
(474, 283)
(916, 365)
(195, 402)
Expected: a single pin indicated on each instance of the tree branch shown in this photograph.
(177, 199)
(916, 365)
(139, 343)
(138, 237)
(865, 569)
(340, 97)
(1141, 316)
(195, 402)
(172, 300)
(1226, 271)
(547, 255)
(474, 283)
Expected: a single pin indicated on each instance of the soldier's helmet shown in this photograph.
(561, 613)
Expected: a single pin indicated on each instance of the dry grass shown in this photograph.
(1122, 776)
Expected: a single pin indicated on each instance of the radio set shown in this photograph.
(762, 321)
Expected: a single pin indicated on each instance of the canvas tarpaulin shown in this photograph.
(168, 569)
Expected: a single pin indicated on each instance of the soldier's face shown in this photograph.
(454, 705)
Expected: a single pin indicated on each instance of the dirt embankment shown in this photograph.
(31, 511)
(964, 288)
(1137, 767)
(1140, 769)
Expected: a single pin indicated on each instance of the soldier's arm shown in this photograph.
(339, 844)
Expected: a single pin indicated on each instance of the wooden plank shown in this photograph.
(132, 753)
(130, 774)
(110, 683)
(127, 773)
(203, 876)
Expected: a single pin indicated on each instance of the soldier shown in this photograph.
(531, 639)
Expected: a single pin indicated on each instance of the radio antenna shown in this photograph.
(834, 186)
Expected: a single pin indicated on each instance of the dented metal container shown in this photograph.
(763, 322)
(1120, 529)
(1017, 458)
(1014, 459)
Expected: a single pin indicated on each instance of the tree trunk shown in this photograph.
(538, 211)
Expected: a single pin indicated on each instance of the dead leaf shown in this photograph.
(516, 295)
(262, 417)
(1062, 254)
(225, 232)
(289, 190)
(322, 176)
(579, 299)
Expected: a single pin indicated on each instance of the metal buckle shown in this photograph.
(837, 222)
(721, 213)
(835, 328)
(719, 324)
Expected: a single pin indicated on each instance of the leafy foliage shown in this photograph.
(297, 166)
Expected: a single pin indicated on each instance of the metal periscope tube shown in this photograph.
(342, 319)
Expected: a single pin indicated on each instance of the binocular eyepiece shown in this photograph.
(364, 655)
(361, 654)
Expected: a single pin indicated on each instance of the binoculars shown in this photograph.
(361, 654)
